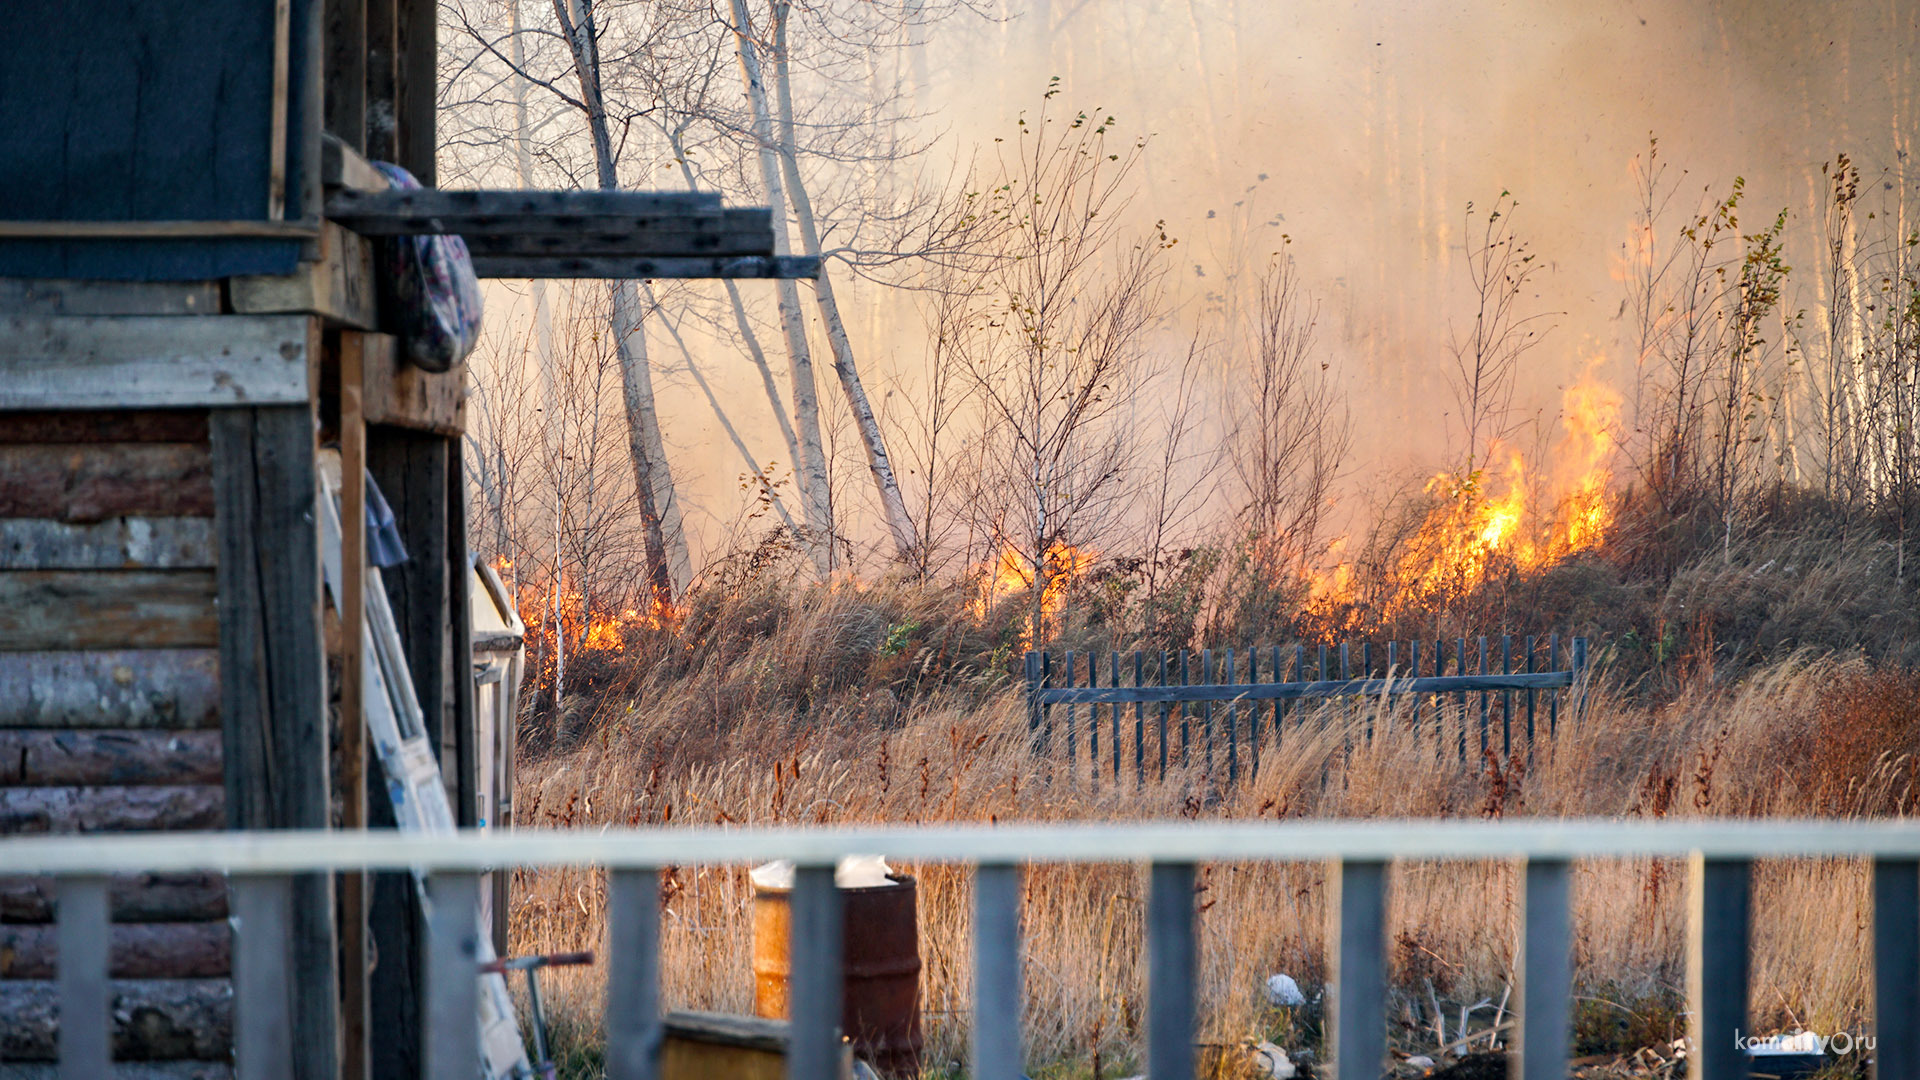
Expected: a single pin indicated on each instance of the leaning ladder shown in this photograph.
(412, 769)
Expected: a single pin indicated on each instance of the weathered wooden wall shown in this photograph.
(110, 713)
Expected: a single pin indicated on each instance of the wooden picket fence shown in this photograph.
(1197, 699)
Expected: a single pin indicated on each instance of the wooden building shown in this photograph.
(188, 321)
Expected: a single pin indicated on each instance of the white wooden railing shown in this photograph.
(1361, 854)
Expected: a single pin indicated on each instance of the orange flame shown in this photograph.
(1012, 574)
(1531, 520)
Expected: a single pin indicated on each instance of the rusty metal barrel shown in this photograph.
(880, 1007)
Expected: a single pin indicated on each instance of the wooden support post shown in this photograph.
(418, 63)
(273, 705)
(411, 469)
(382, 72)
(466, 751)
(353, 728)
(346, 71)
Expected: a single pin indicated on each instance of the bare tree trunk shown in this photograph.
(899, 522)
(669, 568)
(816, 496)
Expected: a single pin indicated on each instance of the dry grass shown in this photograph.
(1783, 741)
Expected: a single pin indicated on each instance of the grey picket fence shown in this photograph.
(1173, 703)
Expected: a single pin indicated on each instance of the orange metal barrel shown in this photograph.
(880, 1011)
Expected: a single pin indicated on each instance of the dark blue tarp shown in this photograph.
(124, 110)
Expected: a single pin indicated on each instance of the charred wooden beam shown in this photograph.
(96, 481)
(110, 809)
(657, 267)
(131, 898)
(159, 1019)
(183, 950)
(103, 609)
(139, 758)
(156, 689)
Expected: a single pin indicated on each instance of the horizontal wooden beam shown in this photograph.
(155, 230)
(95, 481)
(103, 609)
(125, 1070)
(193, 896)
(111, 809)
(82, 758)
(146, 689)
(640, 242)
(157, 1019)
(403, 213)
(341, 166)
(1442, 684)
(398, 394)
(121, 543)
(40, 296)
(338, 285)
(118, 425)
(150, 361)
(181, 950)
(612, 266)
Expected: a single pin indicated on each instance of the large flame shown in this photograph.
(1531, 520)
(1512, 515)
(587, 627)
(1012, 574)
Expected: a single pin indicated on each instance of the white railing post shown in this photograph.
(262, 905)
(1717, 966)
(633, 975)
(1896, 969)
(997, 1053)
(813, 990)
(1171, 957)
(1546, 970)
(1359, 932)
(452, 1050)
(83, 937)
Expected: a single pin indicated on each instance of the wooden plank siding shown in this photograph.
(139, 689)
(95, 481)
(119, 543)
(185, 950)
(86, 362)
(111, 809)
(110, 693)
(103, 609)
(157, 1019)
(131, 898)
(59, 758)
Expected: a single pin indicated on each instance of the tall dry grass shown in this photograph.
(1795, 737)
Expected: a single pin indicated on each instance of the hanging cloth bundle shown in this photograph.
(429, 294)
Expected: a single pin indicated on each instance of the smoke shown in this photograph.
(1360, 131)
